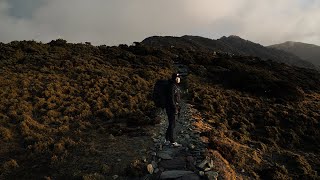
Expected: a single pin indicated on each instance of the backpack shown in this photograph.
(160, 93)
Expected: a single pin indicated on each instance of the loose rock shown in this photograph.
(164, 155)
(150, 168)
(111, 137)
(207, 169)
(156, 170)
(191, 146)
(203, 164)
(154, 164)
(201, 173)
(144, 159)
(212, 175)
(210, 163)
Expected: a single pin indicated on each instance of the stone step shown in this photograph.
(174, 164)
(175, 174)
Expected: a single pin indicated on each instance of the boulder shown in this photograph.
(190, 177)
(177, 163)
(164, 155)
(175, 174)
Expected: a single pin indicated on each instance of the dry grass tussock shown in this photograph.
(52, 94)
(264, 116)
(59, 102)
(222, 166)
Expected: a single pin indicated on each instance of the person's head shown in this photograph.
(176, 78)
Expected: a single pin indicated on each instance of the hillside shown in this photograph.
(79, 111)
(307, 52)
(266, 121)
(232, 44)
(55, 97)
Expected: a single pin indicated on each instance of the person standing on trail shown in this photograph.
(172, 108)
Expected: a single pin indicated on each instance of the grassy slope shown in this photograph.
(57, 97)
(53, 95)
(265, 115)
(308, 52)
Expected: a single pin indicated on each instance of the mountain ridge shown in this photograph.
(232, 44)
(86, 112)
(306, 51)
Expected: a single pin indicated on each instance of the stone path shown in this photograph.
(184, 163)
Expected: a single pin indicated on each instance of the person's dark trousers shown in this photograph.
(172, 124)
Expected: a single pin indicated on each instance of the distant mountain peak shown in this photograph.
(305, 51)
(232, 44)
(235, 37)
(290, 43)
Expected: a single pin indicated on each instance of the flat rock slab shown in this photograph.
(177, 164)
(164, 155)
(175, 174)
(173, 149)
(168, 153)
(190, 177)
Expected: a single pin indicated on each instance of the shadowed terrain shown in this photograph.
(307, 52)
(72, 110)
(231, 45)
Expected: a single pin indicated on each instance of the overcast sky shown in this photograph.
(113, 22)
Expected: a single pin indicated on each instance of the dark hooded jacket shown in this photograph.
(173, 96)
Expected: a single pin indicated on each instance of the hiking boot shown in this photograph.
(175, 144)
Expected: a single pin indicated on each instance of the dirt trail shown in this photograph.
(108, 156)
(188, 161)
(142, 153)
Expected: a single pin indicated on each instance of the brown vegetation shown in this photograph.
(222, 166)
(264, 115)
(59, 103)
(52, 95)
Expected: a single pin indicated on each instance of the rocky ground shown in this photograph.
(146, 156)
(188, 161)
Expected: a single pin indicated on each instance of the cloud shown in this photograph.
(25, 11)
(277, 21)
(113, 22)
